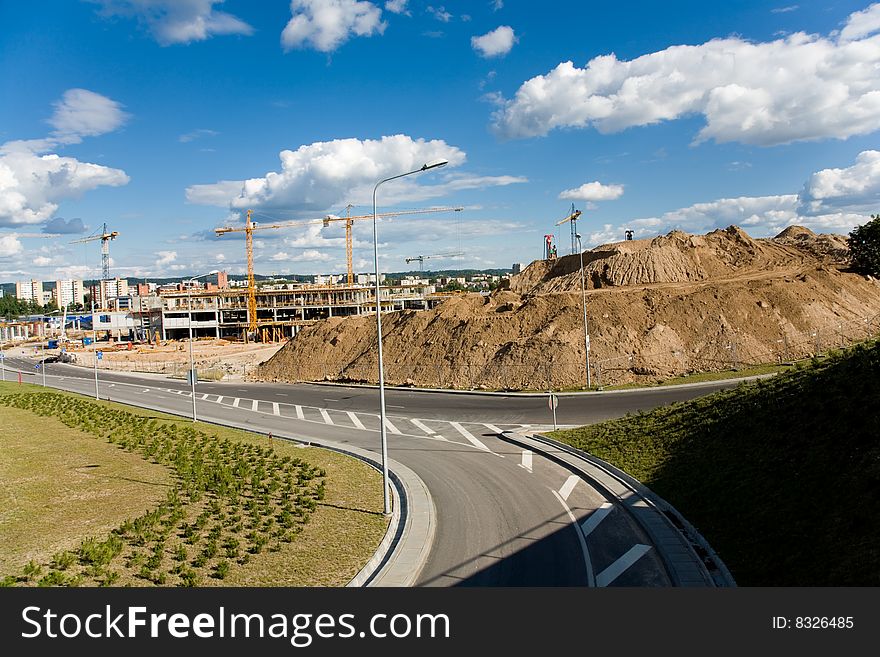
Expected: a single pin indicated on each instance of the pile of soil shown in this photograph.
(656, 308)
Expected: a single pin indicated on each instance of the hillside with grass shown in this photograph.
(782, 476)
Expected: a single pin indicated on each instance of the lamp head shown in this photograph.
(434, 164)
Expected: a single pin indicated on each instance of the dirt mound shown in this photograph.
(826, 246)
(656, 308)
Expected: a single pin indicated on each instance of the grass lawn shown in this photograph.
(781, 475)
(97, 493)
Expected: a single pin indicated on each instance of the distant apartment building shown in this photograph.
(516, 268)
(31, 291)
(106, 291)
(67, 292)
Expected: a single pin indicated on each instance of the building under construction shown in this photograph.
(281, 310)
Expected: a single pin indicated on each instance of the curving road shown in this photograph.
(506, 516)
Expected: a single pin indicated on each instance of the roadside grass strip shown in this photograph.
(227, 502)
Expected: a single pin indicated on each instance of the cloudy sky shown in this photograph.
(168, 118)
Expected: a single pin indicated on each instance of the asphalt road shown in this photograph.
(505, 516)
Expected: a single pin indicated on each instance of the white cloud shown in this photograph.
(496, 43)
(281, 255)
(197, 134)
(593, 191)
(855, 188)
(326, 24)
(42, 261)
(9, 246)
(831, 200)
(784, 10)
(83, 113)
(311, 255)
(861, 23)
(31, 185)
(497, 4)
(322, 175)
(165, 258)
(440, 14)
(177, 21)
(801, 87)
(397, 6)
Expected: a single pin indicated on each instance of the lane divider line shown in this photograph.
(597, 516)
(588, 563)
(616, 569)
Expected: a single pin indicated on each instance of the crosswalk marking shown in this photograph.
(476, 442)
(219, 399)
(236, 402)
(617, 568)
(205, 396)
(326, 416)
(588, 525)
(255, 405)
(568, 486)
(275, 409)
(421, 425)
(492, 427)
(299, 412)
(392, 428)
(355, 420)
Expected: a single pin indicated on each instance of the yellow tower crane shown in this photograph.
(572, 217)
(250, 226)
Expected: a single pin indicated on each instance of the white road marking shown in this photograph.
(597, 516)
(568, 486)
(255, 405)
(355, 420)
(588, 563)
(326, 416)
(332, 400)
(616, 569)
(236, 402)
(111, 385)
(393, 406)
(145, 390)
(473, 440)
(392, 428)
(205, 396)
(281, 394)
(219, 399)
(493, 428)
(421, 425)
(526, 460)
(275, 409)
(299, 413)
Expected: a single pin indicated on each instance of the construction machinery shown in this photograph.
(105, 238)
(421, 258)
(572, 219)
(549, 248)
(251, 226)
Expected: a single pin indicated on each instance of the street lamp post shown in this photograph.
(382, 431)
(584, 304)
(95, 347)
(192, 367)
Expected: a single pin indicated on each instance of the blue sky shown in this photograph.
(167, 118)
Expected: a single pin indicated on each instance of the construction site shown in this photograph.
(629, 311)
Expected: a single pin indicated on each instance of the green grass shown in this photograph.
(702, 377)
(223, 507)
(782, 475)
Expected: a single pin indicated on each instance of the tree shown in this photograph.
(864, 247)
